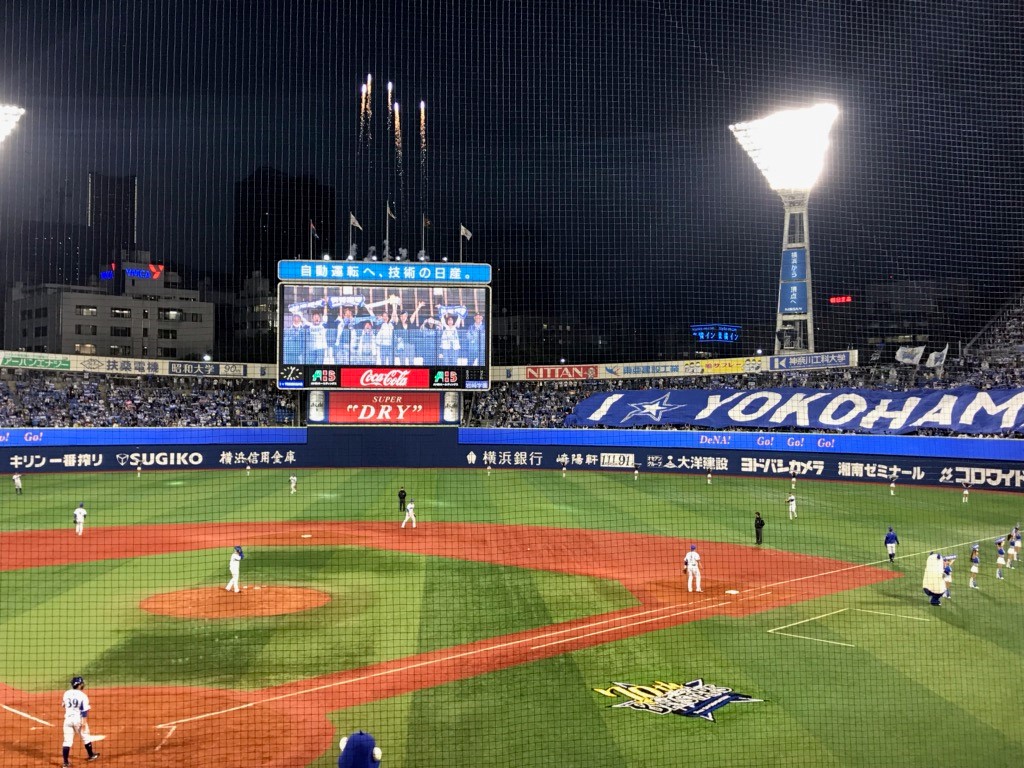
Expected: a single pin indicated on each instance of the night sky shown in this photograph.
(585, 144)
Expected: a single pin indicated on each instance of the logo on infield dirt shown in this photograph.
(693, 699)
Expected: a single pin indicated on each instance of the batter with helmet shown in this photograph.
(76, 710)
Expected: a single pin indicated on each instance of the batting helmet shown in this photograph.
(77, 682)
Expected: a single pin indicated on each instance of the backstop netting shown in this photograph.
(693, 472)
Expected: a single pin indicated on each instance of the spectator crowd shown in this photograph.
(37, 399)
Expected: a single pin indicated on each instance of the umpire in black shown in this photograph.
(758, 526)
(401, 499)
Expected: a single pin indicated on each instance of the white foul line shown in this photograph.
(26, 714)
(859, 565)
(427, 662)
(631, 624)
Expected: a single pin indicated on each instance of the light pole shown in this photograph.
(789, 147)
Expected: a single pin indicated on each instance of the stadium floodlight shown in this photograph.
(789, 148)
(9, 117)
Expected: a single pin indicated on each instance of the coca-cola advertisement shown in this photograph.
(385, 407)
(385, 378)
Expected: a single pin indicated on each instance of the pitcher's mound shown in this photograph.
(218, 603)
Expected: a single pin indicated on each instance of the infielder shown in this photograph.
(891, 542)
(79, 515)
(691, 564)
(76, 710)
(16, 477)
(293, 482)
(233, 566)
(410, 513)
(791, 501)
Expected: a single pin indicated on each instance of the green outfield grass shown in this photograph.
(884, 680)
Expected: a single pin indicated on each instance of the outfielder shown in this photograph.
(293, 482)
(233, 566)
(791, 501)
(16, 477)
(76, 710)
(79, 515)
(410, 513)
(691, 563)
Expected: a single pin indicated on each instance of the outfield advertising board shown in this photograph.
(678, 368)
(991, 464)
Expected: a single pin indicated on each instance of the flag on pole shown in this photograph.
(391, 214)
(354, 222)
(909, 355)
(465, 232)
(312, 229)
(937, 359)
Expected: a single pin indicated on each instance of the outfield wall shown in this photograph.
(984, 463)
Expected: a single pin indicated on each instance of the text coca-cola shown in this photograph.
(385, 378)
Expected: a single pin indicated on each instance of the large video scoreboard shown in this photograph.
(383, 326)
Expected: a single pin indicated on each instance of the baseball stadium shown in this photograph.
(647, 391)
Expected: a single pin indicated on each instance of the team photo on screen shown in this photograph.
(375, 325)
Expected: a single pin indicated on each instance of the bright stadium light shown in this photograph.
(789, 149)
(9, 117)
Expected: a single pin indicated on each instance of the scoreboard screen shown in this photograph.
(384, 336)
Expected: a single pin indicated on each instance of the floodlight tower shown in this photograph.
(789, 148)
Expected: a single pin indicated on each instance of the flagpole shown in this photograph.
(460, 243)
(349, 233)
(387, 223)
(423, 231)
(310, 239)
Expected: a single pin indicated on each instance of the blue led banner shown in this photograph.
(793, 298)
(794, 264)
(383, 271)
(965, 409)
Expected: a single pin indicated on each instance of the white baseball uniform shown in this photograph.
(410, 514)
(892, 488)
(76, 708)
(16, 477)
(792, 506)
(692, 564)
(234, 565)
(79, 514)
(293, 481)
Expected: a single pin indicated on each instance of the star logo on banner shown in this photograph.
(653, 409)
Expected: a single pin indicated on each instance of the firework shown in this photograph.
(423, 137)
(398, 141)
(391, 89)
